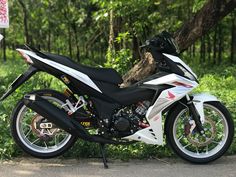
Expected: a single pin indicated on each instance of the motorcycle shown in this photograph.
(46, 123)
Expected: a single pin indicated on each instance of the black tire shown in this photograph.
(43, 155)
(191, 158)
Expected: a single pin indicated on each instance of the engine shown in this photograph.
(129, 119)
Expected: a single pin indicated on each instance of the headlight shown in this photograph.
(187, 73)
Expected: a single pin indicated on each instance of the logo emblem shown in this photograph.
(170, 96)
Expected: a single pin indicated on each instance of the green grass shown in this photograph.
(219, 81)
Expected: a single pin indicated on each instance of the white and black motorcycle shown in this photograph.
(46, 123)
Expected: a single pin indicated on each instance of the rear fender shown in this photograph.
(19, 81)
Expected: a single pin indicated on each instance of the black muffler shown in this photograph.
(60, 118)
(56, 115)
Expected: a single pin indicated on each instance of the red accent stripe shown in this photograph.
(182, 84)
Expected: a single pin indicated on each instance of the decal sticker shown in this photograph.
(156, 118)
(86, 124)
(170, 96)
(182, 84)
(65, 79)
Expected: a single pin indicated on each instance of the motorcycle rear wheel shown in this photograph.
(39, 142)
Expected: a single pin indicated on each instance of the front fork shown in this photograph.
(195, 115)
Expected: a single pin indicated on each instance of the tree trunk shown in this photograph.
(215, 47)
(25, 17)
(49, 40)
(4, 46)
(140, 71)
(194, 49)
(203, 51)
(116, 25)
(135, 48)
(111, 33)
(205, 19)
(69, 42)
(220, 44)
(233, 40)
(77, 42)
(209, 50)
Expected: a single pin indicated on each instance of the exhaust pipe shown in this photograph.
(56, 115)
(60, 118)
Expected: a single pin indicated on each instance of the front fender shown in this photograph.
(199, 100)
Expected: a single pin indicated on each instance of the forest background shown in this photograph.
(108, 34)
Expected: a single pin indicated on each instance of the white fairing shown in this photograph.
(154, 133)
(145, 135)
(170, 79)
(178, 60)
(199, 99)
(72, 72)
(182, 87)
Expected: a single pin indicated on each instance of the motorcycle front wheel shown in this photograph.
(27, 131)
(192, 146)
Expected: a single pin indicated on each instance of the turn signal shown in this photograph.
(26, 57)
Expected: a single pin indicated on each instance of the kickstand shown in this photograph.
(102, 148)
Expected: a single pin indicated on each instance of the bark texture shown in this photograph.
(25, 16)
(141, 70)
(205, 19)
(197, 26)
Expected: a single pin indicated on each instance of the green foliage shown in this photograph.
(219, 81)
(7, 148)
(198, 4)
(81, 28)
(120, 60)
(8, 72)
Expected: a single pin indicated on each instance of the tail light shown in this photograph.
(26, 57)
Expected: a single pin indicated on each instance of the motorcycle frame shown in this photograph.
(178, 88)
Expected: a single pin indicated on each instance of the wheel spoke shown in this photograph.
(186, 145)
(180, 137)
(25, 124)
(55, 139)
(27, 134)
(197, 150)
(207, 149)
(45, 145)
(35, 141)
(216, 142)
(218, 122)
(62, 133)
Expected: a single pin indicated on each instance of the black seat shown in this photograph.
(99, 74)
